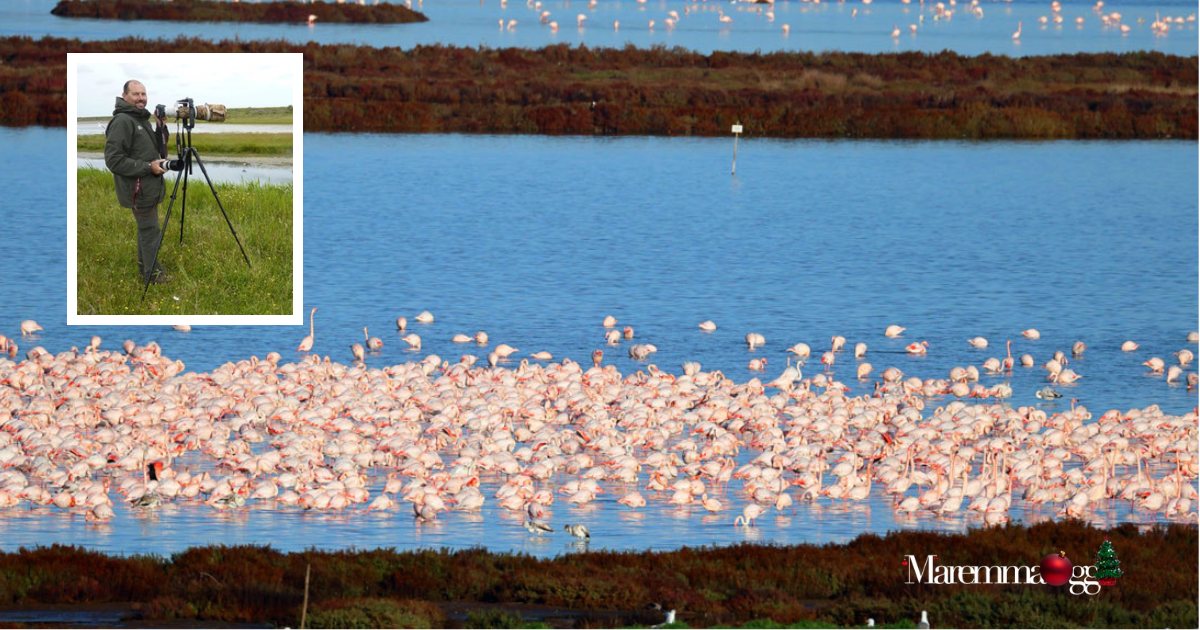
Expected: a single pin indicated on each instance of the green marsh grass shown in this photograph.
(210, 144)
(208, 274)
(259, 116)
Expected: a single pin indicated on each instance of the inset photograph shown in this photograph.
(184, 188)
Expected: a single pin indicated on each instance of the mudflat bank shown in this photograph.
(224, 11)
(744, 584)
(631, 91)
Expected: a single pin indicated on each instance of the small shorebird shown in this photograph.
(578, 531)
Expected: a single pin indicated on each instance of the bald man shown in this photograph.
(132, 151)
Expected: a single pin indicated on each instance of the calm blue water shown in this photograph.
(825, 26)
(535, 239)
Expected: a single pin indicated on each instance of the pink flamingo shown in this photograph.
(306, 344)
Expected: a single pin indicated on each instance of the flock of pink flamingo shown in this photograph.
(943, 12)
(86, 428)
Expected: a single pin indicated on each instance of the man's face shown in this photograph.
(136, 95)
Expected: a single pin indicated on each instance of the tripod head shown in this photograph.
(185, 112)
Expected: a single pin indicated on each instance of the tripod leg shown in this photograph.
(162, 233)
(223, 213)
(183, 207)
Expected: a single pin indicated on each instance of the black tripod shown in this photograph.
(188, 154)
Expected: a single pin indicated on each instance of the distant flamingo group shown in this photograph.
(938, 12)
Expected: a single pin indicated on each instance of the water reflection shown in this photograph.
(222, 170)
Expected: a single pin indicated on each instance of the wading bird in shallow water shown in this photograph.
(894, 331)
(748, 515)
(1129, 346)
(1017, 33)
(917, 347)
(306, 344)
(708, 325)
(801, 350)
(374, 344)
(537, 528)
(579, 531)
(28, 327)
(1048, 393)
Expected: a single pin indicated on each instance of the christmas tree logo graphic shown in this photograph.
(1108, 568)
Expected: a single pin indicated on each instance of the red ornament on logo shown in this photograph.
(1056, 568)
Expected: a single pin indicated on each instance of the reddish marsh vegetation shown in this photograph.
(838, 584)
(564, 90)
(224, 11)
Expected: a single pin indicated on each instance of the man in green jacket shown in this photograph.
(131, 152)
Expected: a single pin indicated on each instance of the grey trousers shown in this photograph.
(148, 235)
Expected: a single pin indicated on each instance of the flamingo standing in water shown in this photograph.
(1017, 33)
(578, 531)
(306, 343)
(374, 344)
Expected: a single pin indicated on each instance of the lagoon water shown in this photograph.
(535, 239)
(814, 27)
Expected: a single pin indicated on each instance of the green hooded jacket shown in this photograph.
(129, 147)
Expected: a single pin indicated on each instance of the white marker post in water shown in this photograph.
(737, 131)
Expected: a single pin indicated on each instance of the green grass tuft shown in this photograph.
(208, 274)
(211, 144)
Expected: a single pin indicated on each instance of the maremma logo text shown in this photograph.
(1055, 570)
